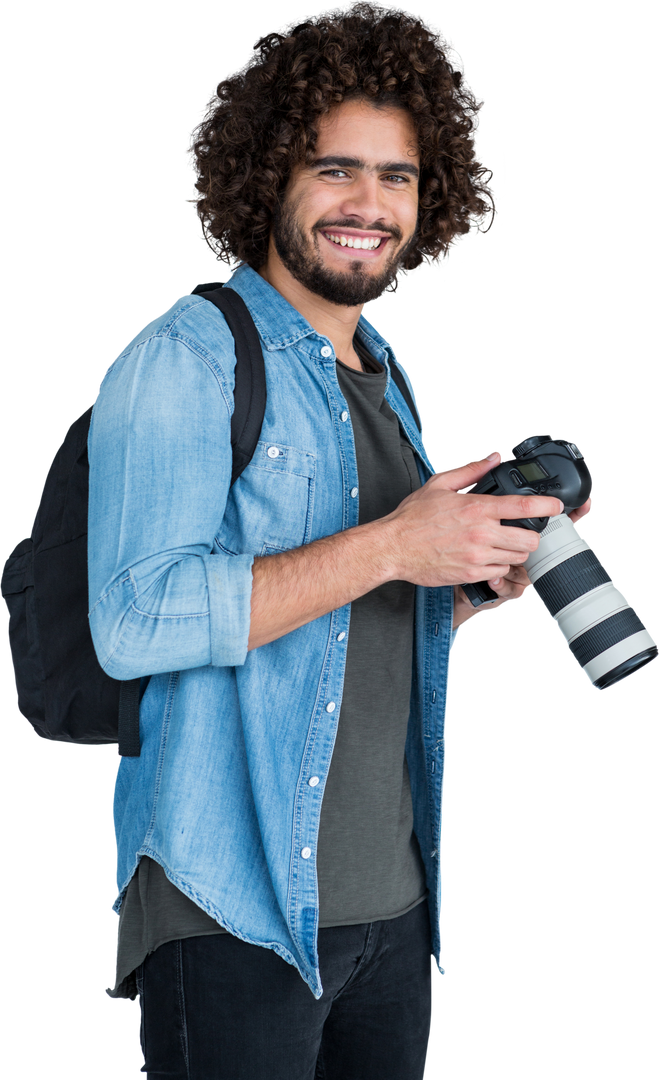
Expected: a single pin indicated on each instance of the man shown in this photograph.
(278, 835)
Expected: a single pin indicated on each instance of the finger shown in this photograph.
(502, 588)
(582, 512)
(512, 585)
(513, 507)
(455, 479)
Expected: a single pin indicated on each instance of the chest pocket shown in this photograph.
(270, 507)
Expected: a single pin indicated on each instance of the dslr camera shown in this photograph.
(604, 633)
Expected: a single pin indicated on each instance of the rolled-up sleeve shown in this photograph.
(162, 596)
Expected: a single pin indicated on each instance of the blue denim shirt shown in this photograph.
(220, 795)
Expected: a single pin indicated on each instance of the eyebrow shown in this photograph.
(357, 163)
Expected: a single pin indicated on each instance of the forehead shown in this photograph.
(357, 128)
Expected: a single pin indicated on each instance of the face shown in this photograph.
(349, 218)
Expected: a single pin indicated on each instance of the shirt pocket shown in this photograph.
(270, 507)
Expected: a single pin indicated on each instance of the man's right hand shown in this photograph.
(440, 537)
(435, 537)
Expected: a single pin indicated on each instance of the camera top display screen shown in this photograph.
(531, 470)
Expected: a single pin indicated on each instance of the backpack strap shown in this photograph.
(401, 383)
(249, 392)
(129, 718)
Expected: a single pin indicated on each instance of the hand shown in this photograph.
(439, 537)
(510, 587)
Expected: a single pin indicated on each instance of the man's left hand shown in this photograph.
(509, 587)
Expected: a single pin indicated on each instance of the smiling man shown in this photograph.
(349, 217)
(279, 833)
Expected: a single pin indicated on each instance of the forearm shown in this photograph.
(295, 587)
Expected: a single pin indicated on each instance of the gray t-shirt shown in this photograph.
(369, 865)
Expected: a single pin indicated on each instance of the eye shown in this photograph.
(340, 173)
(394, 178)
(330, 172)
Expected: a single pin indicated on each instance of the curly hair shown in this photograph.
(262, 123)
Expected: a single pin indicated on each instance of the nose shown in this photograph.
(365, 201)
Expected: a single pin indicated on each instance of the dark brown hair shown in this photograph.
(263, 122)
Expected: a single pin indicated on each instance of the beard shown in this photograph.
(359, 282)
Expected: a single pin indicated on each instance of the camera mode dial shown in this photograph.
(530, 443)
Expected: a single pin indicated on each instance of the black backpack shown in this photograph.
(62, 689)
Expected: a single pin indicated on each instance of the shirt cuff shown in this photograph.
(229, 581)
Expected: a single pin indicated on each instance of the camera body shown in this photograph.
(541, 466)
(603, 632)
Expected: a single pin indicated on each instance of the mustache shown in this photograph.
(347, 223)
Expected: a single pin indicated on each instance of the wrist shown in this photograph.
(463, 609)
(381, 545)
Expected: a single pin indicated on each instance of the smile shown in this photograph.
(363, 243)
(346, 251)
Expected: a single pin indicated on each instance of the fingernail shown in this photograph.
(495, 581)
(492, 457)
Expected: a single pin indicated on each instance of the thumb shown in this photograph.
(456, 479)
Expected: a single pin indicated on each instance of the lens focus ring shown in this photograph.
(605, 634)
(571, 579)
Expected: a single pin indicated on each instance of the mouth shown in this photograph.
(357, 253)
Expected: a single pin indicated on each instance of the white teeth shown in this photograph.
(363, 243)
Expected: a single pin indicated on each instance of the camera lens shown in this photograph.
(604, 633)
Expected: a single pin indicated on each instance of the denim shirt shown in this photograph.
(220, 795)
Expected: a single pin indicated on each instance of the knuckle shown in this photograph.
(477, 537)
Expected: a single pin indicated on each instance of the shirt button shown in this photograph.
(306, 852)
(273, 451)
(340, 637)
(331, 705)
(313, 781)
(326, 351)
(354, 492)
(344, 416)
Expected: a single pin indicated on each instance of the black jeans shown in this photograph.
(216, 1008)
